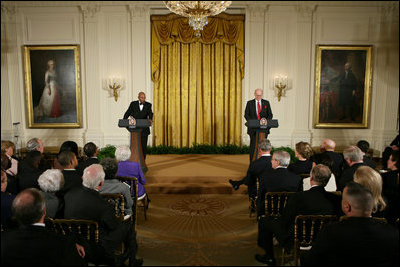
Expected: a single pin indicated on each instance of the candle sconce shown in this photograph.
(280, 83)
(114, 85)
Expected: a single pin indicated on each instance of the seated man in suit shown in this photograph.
(277, 179)
(36, 144)
(312, 202)
(358, 240)
(32, 244)
(328, 147)
(68, 162)
(256, 168)
(91, 152)
(85, 202)
(364, 147)
(29, 170)
(354, 158)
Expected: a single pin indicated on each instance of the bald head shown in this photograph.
(258, 93)
(29, 207)
(142, 97)
(328, 145)
(93, 177)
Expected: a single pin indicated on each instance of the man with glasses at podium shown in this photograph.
(140, 109)
(255, 110)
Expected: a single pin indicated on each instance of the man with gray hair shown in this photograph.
(255, 169)
(32, 244)
(85, 202)
(354, 158)
(35, 144)
(312, 202)
(357, 240)
(277, 179)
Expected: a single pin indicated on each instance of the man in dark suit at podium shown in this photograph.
(141, 109)
(255, 110)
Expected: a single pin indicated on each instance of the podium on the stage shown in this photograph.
(261, 128)
(136, 145)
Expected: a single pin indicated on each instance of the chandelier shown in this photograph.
(197, 11)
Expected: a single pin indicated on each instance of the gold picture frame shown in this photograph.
(53, 86)
(343, 76)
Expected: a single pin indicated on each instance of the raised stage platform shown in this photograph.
(195, 174)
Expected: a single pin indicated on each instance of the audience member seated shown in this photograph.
(50, 182)
(11, 180)
(358, 240)
(372, 180)
(364, 147)
(256, 168)
(8, 148)
(354, 158)
(36, 144)
(114, 186)
(328, 147)
(68, 162)
(32, 244)
(6, 201)
(66, 146)
(91, 152)
(85, 202)
(304, 163)
(327, 161)
(390, 188)
(28, 170)
(394, 146)
(277, 179)
(130, 169)
(315, 201)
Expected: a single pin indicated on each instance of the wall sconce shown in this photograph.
(280, 82)
(114, 84)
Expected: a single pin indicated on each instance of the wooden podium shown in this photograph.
(136, 144)
(261, 131)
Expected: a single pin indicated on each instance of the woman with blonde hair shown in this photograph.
(304, 163)
(372, 180)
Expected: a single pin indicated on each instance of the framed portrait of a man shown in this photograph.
(53, 86)
(342, 86)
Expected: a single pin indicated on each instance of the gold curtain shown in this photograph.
(197, 81)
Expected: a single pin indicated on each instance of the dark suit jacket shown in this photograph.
(347, 175)
(6, 213)
(255, 169)
(369, 162)
(338, 162)
(35, 246)
(355, 242)
(28, 176)
(84, 203)
(315, 201)
(84, 164)
(134, 111)
(250, 112)
(300, 167)
(276, 180)
(71, 179)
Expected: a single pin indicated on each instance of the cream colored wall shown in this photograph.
(280, 37)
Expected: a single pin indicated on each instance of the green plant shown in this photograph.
(107, 151)
(287, 149)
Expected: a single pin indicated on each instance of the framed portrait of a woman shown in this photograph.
(342, 86)
(53, 86)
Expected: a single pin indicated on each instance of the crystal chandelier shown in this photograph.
(197, 11)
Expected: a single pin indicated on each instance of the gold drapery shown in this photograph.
(197, 81)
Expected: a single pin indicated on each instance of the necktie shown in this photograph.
(258, 109)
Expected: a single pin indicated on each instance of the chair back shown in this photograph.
(118, 201)
(275, 202)
(304, 175)
(87, 229)
(377, 219)
(306, 228)
(133, 183)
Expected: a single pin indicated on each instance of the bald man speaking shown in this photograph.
(255, 110)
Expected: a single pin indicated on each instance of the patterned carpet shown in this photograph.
(197, 230)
